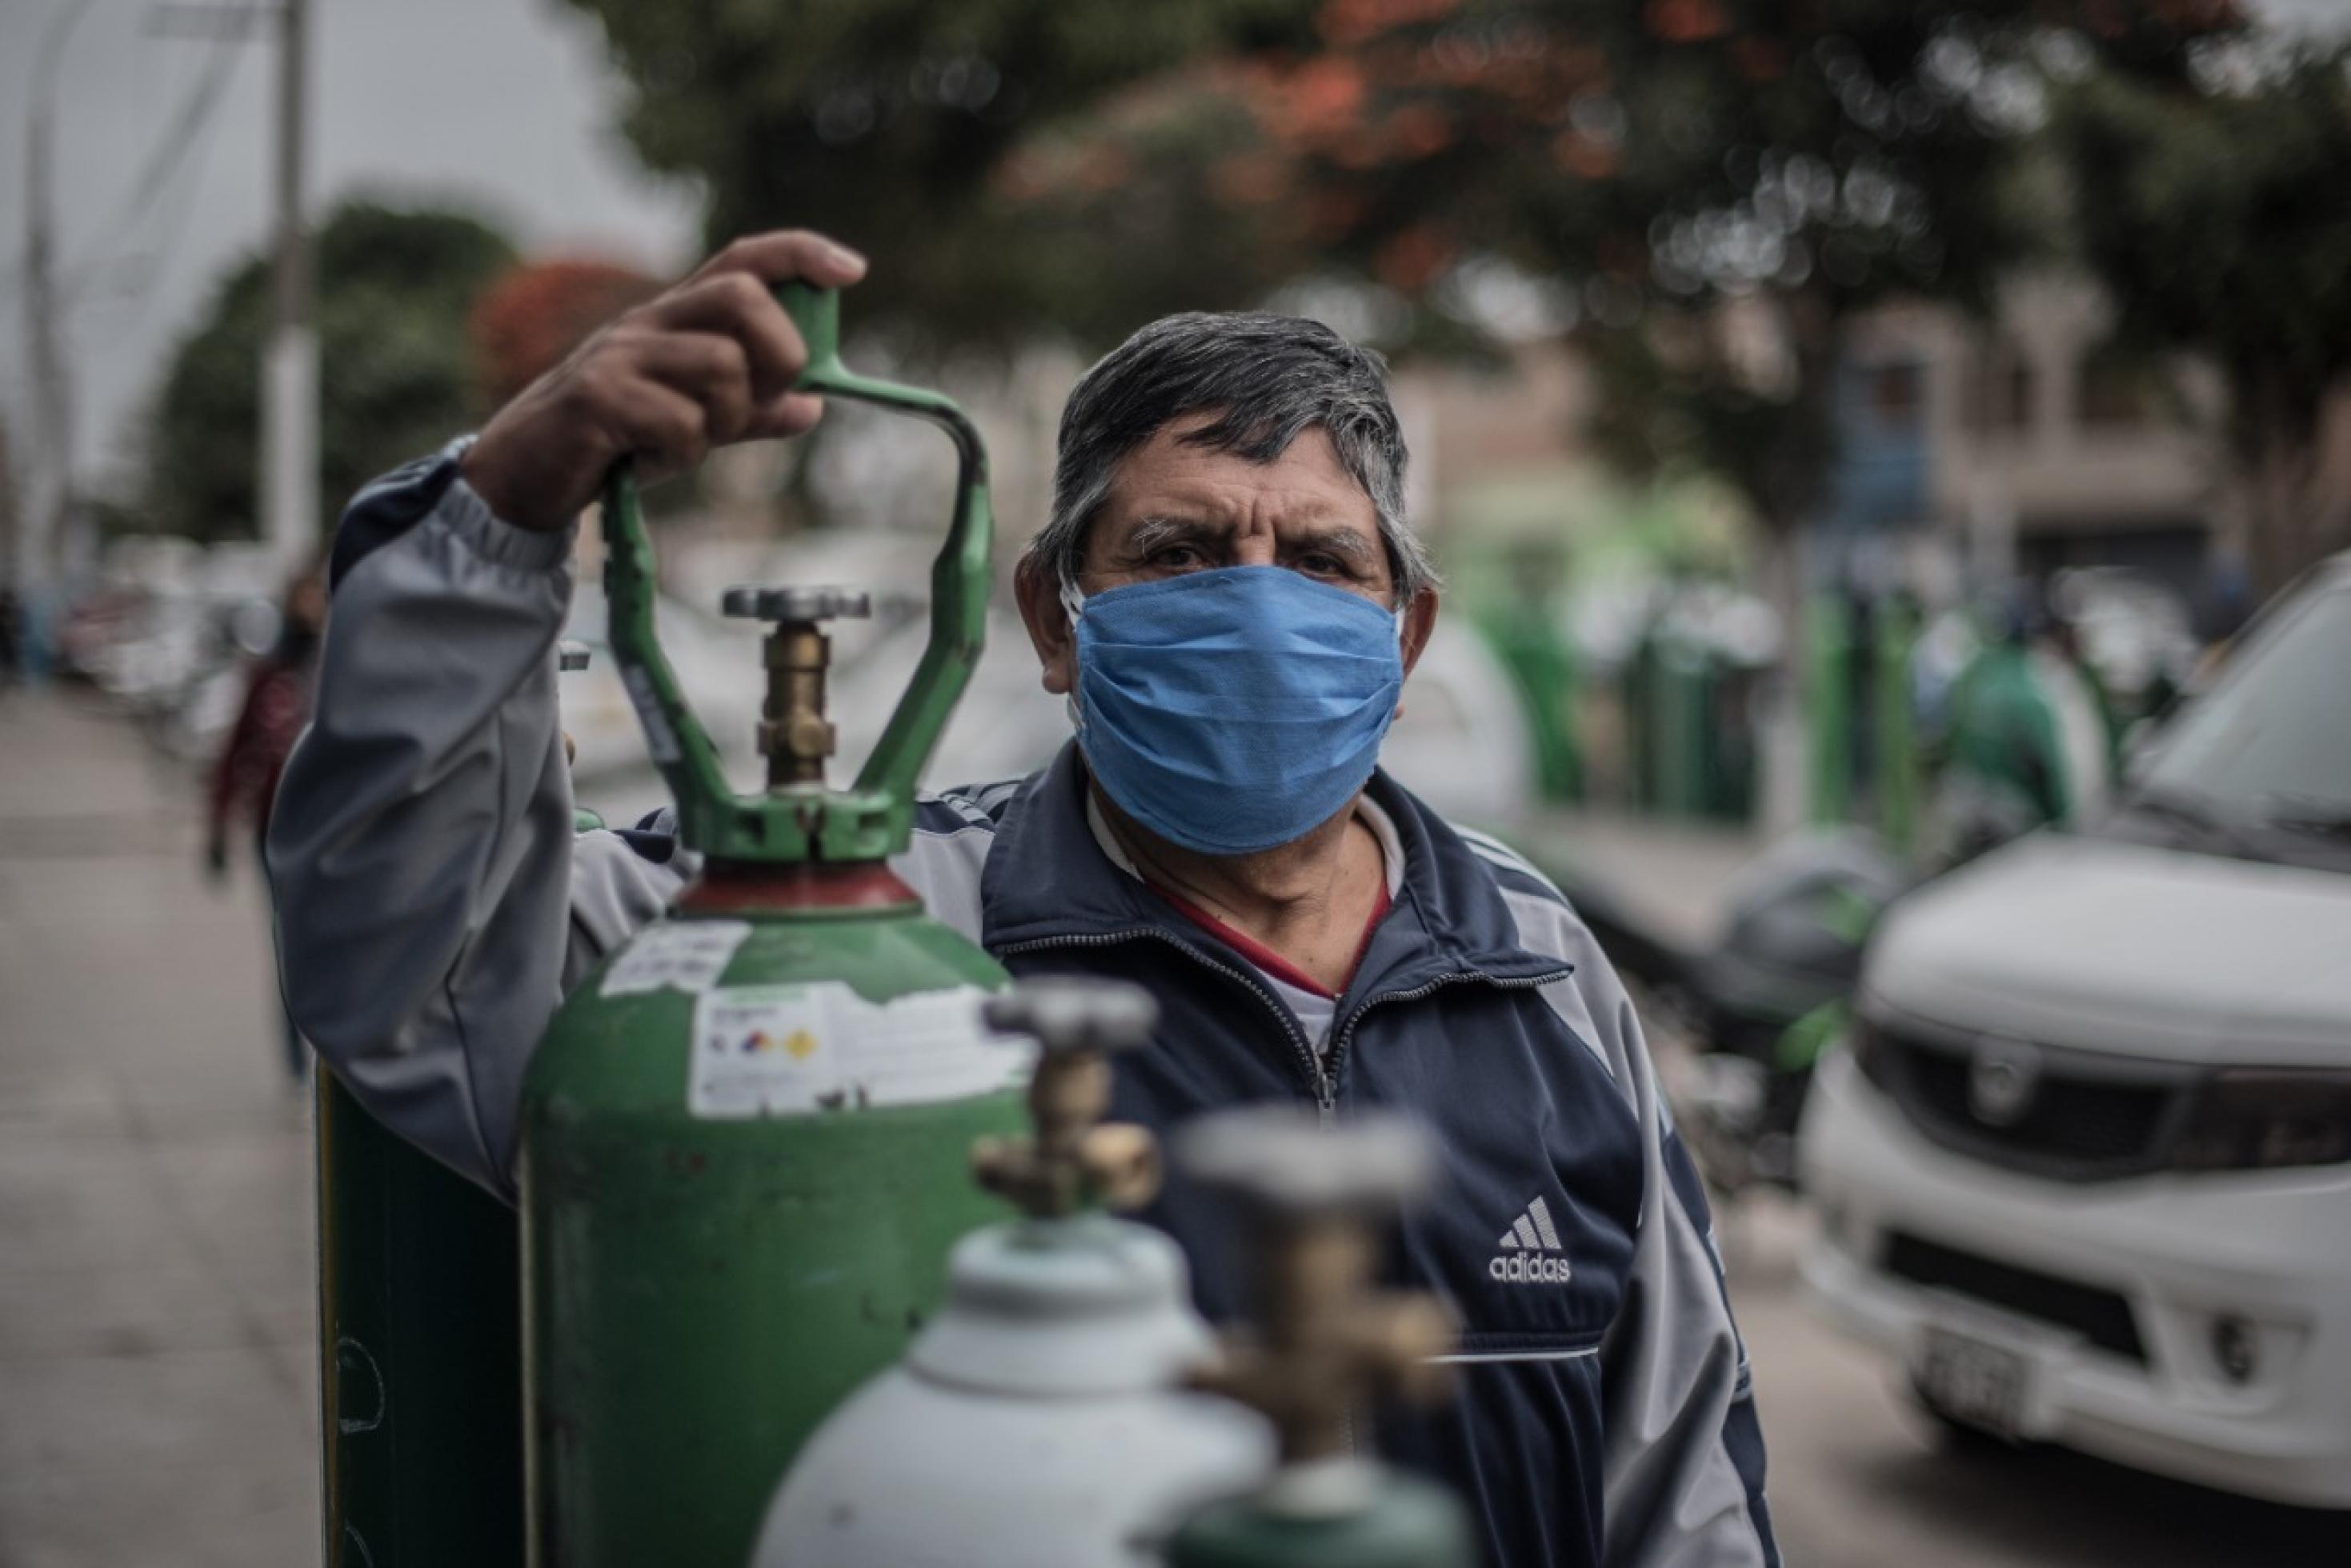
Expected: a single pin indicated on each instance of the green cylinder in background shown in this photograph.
(420, 1358)
(1828, 693)
(1896, 770)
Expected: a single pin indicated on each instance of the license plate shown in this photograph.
(1972, 1381)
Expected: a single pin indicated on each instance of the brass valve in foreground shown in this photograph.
(1325, 1345)
(1073, 1158)
(794, 733)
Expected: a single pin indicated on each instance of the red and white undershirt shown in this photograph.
(1309, 1002)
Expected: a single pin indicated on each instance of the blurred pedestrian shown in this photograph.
(277, 705)
(2030, 735)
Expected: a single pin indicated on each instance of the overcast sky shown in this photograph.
(504, 104)
(501, 104)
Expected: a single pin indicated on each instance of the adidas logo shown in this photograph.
(1520, 1262)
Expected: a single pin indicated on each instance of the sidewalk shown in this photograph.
(157, 1396)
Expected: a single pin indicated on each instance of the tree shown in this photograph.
(884, 123)
(397, 375)
(1711, 190)
(2206, 208)
(1706, 190)
(528, 320)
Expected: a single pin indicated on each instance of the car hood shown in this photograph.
(2127, 948)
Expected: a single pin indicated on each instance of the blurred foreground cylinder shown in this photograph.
(1323, 1346)
(1039, 1419)
(1035, 1422)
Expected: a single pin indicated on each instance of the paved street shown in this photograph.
(157, 1402)
(156, 1393)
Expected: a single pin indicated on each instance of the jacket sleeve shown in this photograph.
(420, 847)
(1682, 1455)
(1683, 1467)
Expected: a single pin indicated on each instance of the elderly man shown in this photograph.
(1228, 596)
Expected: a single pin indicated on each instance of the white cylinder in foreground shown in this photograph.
(1034, 1421)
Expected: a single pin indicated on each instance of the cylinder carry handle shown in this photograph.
(874, 818)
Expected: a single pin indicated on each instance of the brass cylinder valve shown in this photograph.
(1073, 1158)
(1324, 1343)
(794, 735)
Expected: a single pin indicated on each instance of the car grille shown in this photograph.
(2100, 1316)
(2088, 1118)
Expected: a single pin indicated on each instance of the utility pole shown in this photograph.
(289, 401)
(287, 460)
(50, 498)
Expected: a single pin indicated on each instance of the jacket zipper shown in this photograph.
(1302, 1052)
(1321, 1072)
(1346, 1031)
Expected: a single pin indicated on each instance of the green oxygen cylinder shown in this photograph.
(420, 1342)
(420, 1360)
(1323, 1344)
(744, 1137)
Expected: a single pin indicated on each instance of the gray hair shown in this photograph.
(1268, 378)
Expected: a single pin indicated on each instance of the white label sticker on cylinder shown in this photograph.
(760, 1050)
(683, 955)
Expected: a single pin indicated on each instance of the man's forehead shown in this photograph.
(1170, 475)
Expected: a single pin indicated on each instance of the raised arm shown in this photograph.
(422, 848)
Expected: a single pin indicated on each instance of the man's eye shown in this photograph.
(1177, 555)
(1323, 566)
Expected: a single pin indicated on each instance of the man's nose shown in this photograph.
(1255, 550)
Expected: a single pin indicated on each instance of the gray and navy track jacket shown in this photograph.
(434, 904)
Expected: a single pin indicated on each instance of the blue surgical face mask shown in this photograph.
(1232, 711)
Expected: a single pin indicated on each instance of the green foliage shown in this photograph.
(2213, 218)
(882, 121)
(2208, 210)
(1722, 185)
(396, 375)
(1081, 165)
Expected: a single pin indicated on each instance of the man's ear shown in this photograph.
(1038, 595)
(1419, 620)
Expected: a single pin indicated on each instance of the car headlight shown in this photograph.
(2260, 1119)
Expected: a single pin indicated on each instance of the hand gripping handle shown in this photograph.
(874, 818)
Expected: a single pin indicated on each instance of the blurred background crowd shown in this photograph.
(1828, 414)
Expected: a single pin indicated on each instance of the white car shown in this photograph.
(2085, 1163)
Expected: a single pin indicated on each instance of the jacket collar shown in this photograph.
(1046, 882)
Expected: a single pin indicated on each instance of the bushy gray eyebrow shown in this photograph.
(1150, 534)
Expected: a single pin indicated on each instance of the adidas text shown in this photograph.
(1530, 1250)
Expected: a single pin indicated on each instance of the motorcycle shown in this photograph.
(1736, 1026)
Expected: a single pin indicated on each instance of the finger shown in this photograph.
(740, 306)
(782, 255)
(661, 426)
(706, 367)
(794, 413)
